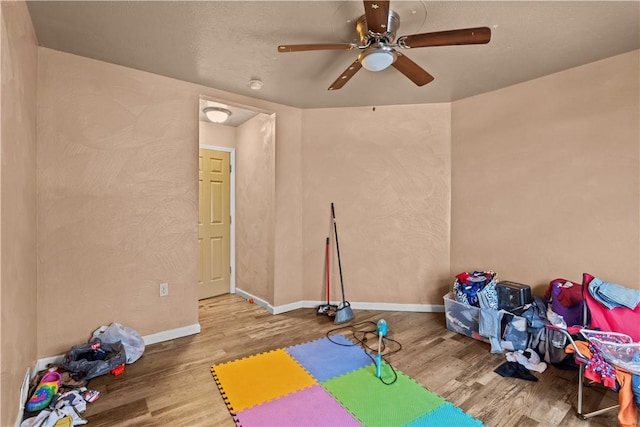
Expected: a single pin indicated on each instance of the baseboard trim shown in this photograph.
(172, 334)
(380, 306)
(24, 394)
(292, 306)
(256, 300)
(415, 308)
(41, 364)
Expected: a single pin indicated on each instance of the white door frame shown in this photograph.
(232, 210)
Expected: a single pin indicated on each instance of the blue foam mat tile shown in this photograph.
(447, 415)
(324, 359)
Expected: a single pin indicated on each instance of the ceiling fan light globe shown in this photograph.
(377, 59)
(217, 114)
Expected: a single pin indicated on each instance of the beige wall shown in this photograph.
(388, 173)
(217, 134)
(117, 177)
(288, 232)
(545, 177)
(18, 331)
(255, 182)
(117, 203)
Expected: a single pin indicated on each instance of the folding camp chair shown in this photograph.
(614, 332)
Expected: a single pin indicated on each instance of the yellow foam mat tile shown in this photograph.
(268, 376)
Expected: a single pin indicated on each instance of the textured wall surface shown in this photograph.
(117, 202)
(388, 173)
(217, 135)
(118, 180)
(18, 334)
(288, 254)
(545, 182)
(255, 181)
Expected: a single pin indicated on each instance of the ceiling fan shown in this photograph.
(377, 31)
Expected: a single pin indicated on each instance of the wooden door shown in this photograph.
(214, 224)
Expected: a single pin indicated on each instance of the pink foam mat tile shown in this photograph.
(312, 406)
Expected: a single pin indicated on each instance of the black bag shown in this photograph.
(93, 359)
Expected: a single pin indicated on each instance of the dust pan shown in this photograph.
(344, 313)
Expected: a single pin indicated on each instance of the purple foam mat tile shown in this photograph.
(312, 406)
(325, 359)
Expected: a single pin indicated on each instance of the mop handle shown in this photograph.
(335, 229)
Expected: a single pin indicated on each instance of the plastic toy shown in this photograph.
(381, 329)
(117, 370)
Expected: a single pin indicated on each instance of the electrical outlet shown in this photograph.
(164, 289)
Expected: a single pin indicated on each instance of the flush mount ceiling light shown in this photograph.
(377, 58)
(216, 114)
(255, 84)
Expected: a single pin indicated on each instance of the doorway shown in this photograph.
(214, 222)
(248, 137)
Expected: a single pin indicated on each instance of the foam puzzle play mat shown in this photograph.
(328, 381)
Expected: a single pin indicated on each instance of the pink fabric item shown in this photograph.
(619, 319)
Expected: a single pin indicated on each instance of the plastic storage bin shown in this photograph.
(462, 318)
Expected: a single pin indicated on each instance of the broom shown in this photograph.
(344, 312)
(328, 308)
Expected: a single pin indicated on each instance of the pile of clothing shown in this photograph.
(59, 396)
(520, 363)
(57, 399)
(477, 289)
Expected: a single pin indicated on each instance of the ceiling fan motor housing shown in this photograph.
(393, 23)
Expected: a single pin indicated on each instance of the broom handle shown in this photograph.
(328, 273)
(335, 230)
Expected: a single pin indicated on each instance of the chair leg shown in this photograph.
(580, 395)
(580, 386)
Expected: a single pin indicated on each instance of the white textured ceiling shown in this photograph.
(224, 44)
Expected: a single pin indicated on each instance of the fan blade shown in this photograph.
(306, 47)
(480, 35)
(413, 71)
(346, 75)
(377, 14)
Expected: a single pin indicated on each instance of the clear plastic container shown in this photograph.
(616, 348)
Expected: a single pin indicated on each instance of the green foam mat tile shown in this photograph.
(377, 404)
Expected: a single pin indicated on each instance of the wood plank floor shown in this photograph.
(171, 384)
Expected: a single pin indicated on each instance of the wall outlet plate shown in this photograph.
(164, 289)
